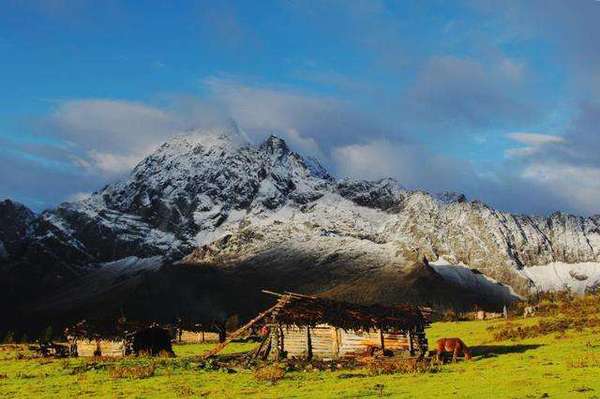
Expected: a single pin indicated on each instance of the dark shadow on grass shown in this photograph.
(485, 351)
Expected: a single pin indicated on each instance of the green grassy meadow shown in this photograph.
(565, 365)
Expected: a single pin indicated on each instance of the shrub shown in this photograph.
(132, 372)
(557, 312)
(402, 366)
(545, 326)
(271, 373)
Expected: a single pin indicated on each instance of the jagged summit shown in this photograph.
(275, 146)
(191, 184)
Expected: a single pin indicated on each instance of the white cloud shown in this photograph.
(101, 124)
(451, 92)
(312, 123)
(373, 160)
(535, 143)
(579, 186)
(535, 138)
(106, 138)
(411, 164)
(112, 164)
(562, 165)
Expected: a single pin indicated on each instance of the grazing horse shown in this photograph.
(452, 345)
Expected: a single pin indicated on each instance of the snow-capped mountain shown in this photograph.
(266, 213)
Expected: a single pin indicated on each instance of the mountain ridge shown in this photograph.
(212, 198)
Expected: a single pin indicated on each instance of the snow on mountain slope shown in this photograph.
(474, 280)
(212, 197)
(189, 185)
(556, 276)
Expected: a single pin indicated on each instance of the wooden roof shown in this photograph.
(302, 310)
(108, 329)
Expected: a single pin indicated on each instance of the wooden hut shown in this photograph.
(118, 339)
(310, 327)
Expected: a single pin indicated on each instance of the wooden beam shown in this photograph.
(294, 294)
(277, 294)
(239, 332)
(276, 341)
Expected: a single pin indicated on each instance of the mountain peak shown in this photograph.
(275, 145)
(228, 135)
(13, 207)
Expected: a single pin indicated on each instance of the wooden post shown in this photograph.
(336, 342)
(308, 344)
(275, 353)
(381, 338)
(239, 332)
(411, 348)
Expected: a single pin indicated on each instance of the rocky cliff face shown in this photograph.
(15, 220)
(212, 198)
(191, 184)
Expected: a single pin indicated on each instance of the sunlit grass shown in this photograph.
(558, 365)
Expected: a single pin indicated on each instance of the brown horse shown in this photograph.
(452, 345)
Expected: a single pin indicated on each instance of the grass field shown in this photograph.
(555, 366)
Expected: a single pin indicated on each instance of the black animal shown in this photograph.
(152, 341)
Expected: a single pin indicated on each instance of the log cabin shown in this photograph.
(118, 339)
(309, 327)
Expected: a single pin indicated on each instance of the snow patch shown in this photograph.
(558, 276)
(466, 277)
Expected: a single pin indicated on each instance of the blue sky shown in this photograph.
(496, 99)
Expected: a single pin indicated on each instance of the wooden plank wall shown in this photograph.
(191, 337)
(295, 342)
(323, 342)
(86, 348)
(359, 341)
(328, 342)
